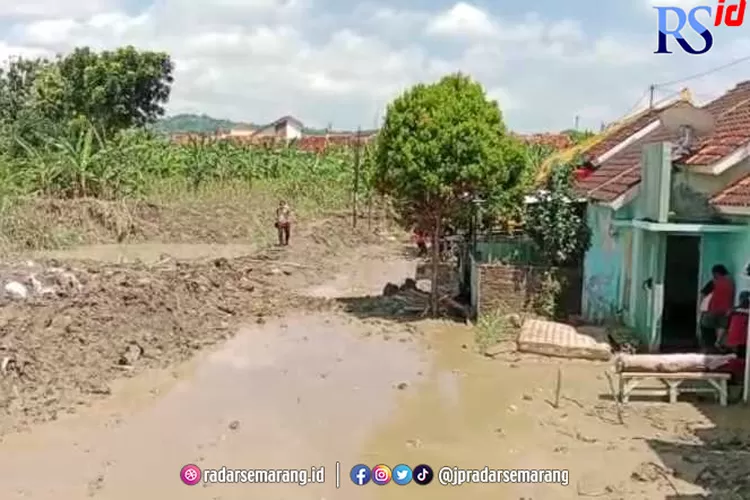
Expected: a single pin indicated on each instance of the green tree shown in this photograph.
(441, 146)
(556, 222)
(115, 90)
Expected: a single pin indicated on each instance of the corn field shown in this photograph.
(134, 162)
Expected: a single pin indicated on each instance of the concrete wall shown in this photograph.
(292, 131)
(517, 288)
(602, 266)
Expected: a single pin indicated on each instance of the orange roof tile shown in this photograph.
(621, 172)
(736, 194)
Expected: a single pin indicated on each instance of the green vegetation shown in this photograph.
(441, 147)
(89, 126)
(578, 136)
(81, 127)
(556, 223)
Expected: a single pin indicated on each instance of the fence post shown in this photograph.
(356, 180)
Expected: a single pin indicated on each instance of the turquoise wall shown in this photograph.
(602, 266)
(732, 250)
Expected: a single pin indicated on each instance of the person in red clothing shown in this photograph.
(736, 338)
(720, 293)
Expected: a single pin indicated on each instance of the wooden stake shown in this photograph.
(616, 397)
(558, 387)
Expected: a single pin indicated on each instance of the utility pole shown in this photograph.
(651, 90)
(356, 178)
(578, 119)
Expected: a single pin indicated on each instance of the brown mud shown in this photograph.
(251, 361)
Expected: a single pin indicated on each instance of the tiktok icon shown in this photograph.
(423, 474)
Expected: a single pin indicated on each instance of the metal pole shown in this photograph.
(651, 90)
(356, 180)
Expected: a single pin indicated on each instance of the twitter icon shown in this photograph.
(402, 474)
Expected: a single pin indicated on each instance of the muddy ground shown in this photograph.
(282, 357)
(94, 320)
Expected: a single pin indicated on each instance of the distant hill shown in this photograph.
(196, 124)
(188, 123)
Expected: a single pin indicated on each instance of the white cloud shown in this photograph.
(53, 8)
(256, 60)
(504, 99)
(462, 20)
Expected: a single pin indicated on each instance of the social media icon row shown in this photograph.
(382, 474)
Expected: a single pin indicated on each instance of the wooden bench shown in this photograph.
(716, 383)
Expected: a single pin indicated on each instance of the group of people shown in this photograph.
(723, 325)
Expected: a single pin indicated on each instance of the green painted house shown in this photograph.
(665, 204)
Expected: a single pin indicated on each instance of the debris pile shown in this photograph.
(33, 280)
(67, 332)
(405, 300)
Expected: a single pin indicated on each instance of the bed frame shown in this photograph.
(715, 383)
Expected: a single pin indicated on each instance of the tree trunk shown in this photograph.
(435, 266)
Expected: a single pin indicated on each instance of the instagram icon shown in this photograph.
(381, 474)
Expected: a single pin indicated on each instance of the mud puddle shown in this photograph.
(306, 391)
(151, 252)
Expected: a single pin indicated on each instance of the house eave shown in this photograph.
(733, 210)
(632, 139)
(724, 164)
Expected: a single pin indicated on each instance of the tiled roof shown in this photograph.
(732, 127)
(623, 132)
(621, 172)
(736, 194)
(554, 141)
(732, 130)
(595, 146)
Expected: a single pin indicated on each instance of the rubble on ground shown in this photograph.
(67, 331)
(31, 279)
(405, 300)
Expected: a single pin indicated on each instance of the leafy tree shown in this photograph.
(556, 223)
(17, 86)
(114, 89)
(441, 146)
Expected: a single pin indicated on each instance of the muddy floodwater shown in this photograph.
(303, 392)
(317, 389)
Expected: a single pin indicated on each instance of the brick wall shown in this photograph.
(516, 288)
(447, 276)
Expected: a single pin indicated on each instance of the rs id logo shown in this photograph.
(672, 21)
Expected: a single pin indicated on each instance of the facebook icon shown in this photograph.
(360, 474)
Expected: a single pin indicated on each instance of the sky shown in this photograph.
(549, 64)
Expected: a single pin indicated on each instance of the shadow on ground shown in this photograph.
(719, 461)
(399, 307)
(715, 459)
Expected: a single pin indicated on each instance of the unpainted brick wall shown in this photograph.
(515, 288)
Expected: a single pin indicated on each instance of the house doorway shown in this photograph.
(681, 275)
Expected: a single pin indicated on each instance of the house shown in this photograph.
(242, 131)
(666, 202)
(557, 142)
(285, 127)
(618, 135)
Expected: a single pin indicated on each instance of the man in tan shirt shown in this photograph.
(283, 222)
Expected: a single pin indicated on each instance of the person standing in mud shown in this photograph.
(283, 222)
